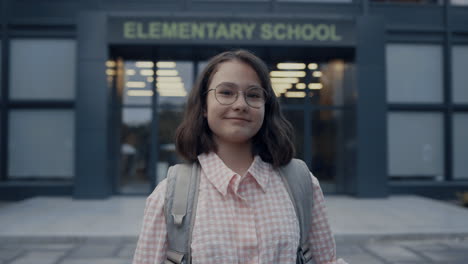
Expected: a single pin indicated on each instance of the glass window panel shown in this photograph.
(173, 88)
(41, 144)
(410, 1)
(332, 144)
(460, 146)
(333, 83)
(459, 74)
(138, 81)
(296, 118)
(1, 63)
(135, 150)
(201, 66)
(325, 83)
(169, 119)
(42, 69)
(459, 2)
(415, 145)
(414, 73)
(319, 1)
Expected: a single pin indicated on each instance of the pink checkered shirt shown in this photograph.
(248, 219)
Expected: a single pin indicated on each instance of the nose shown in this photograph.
(240, 103)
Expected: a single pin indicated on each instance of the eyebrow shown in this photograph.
(237, 86)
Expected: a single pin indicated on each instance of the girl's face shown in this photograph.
(236, 123)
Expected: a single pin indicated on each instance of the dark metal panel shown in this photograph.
(19, 190)
(460, 38)
(447, 89)
(416, 107)
(49, 104)
(152, 5)
(43, 34)
(415, 36)
(92, 36)
(410, 16)
(319, 8)
(371, 169)
(57, 12)
(92, 179)
(231, 7)
(458, 19)
(5, 49)
(437, 190)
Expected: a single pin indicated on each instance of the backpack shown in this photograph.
(181, 203)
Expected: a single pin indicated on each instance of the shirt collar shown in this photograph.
(220, 175)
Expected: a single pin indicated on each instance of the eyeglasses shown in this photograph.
(227, 95)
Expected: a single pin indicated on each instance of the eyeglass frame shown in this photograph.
(237, 96)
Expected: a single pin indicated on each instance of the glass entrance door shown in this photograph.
(153, 98)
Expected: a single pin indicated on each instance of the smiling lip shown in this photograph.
(238, 118)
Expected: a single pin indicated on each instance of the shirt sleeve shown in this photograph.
(152, 242)
(320, 236)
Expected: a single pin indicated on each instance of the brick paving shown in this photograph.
(446, 250)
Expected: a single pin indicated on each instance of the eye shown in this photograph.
(255, 94)
(225, 92)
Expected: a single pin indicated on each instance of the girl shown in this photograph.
(234, 129)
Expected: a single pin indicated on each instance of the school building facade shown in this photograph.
(91, 92)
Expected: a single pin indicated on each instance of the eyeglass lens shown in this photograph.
(226, 95)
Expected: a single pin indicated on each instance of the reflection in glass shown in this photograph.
(459, 2)
(328, 83)
(41, 144)
(135, 149)
(410, 1)
(414, 73)
(42, 69)
(296, 118)
(332, 146)
(459, 76)
(169, 119)
(415, 145)
(174, 81)
(137, 89)
(173, 84)
(460, 146)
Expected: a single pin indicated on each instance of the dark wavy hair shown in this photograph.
(273, 142)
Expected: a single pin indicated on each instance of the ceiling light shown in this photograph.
(300, 86)
(110, 72)
(167, 72)
(146, 72)
(291, 66)
(144, 64)
(295, 94)
(172, 93)
(170, 85)
(110, 63)
(169, 79)
(315, 86)
(317, 74)
(312, 66)
(287, 74)
(140, 93)
(284, 80)
(166, 64)
(136, 84)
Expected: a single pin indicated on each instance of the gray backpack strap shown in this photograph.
(296, 178)
(180, 206)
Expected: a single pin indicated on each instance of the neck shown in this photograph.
(237, 157)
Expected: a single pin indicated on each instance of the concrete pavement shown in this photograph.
(399, 229)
